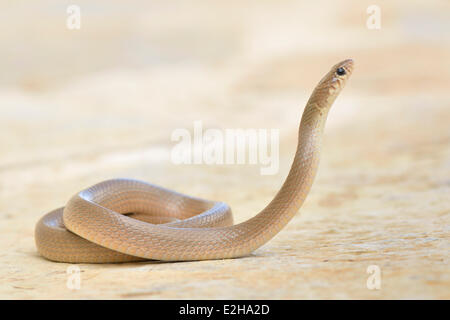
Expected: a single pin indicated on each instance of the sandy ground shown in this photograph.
(81, 106)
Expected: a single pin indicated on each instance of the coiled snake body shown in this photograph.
(124, 220)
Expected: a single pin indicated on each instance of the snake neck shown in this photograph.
(297, 185)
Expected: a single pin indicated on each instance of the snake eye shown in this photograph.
(340, 71)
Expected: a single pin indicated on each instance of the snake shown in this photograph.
(126, 220)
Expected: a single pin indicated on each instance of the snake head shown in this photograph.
(338, 76)
(340, 73)
(332, 83)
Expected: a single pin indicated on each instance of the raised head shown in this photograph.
(331, 84)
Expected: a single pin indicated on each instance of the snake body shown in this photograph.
(124, 220)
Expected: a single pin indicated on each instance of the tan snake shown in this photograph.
(127, 220)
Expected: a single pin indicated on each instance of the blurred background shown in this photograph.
(78, 106)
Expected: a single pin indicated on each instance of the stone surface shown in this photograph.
(81, 106)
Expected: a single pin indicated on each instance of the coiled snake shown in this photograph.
(124, 220)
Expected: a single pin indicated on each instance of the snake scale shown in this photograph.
(123, 220)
